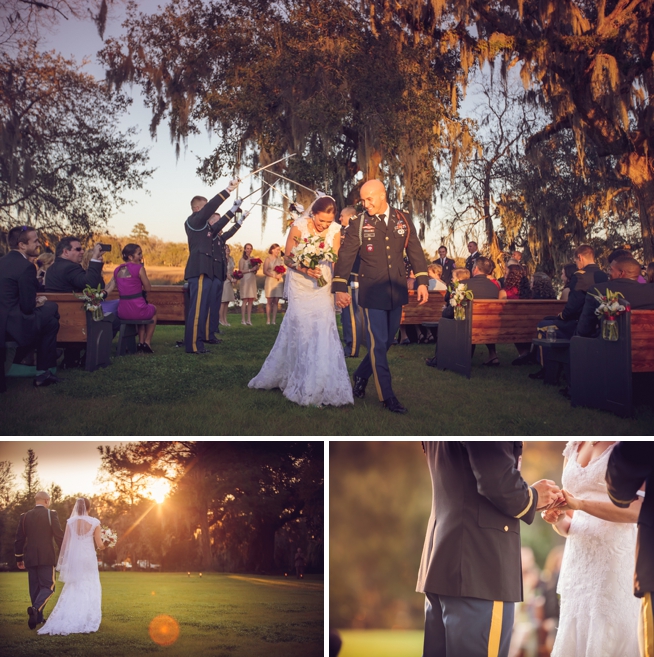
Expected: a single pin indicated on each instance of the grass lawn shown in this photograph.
(381, 643)
(174, 393)
(219, 615)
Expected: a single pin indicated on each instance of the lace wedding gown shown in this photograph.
(599, 613)
(306, 362)
(78, 609)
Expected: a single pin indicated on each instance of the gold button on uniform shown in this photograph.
(506, 529)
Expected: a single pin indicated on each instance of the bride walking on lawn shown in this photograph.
(78, 609)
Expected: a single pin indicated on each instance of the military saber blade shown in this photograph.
(254, 192)
(280, 191)
(293, 181)
(262, 195)
(281, 159)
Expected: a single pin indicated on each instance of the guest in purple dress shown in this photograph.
(131, 280)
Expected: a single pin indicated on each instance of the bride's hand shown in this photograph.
(571, 502)
(552, 516)
(314, 273)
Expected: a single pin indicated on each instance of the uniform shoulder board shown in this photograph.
(580, 271)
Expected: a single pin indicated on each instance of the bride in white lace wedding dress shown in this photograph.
(78, 609)
(599, 613)
(306, 362)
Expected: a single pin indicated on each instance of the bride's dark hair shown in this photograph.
(324, 204)
(87, 504)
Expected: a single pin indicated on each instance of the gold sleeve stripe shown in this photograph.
(531, 501)
(615, 499)
(339, 280)
(421, 273)
(18, 555)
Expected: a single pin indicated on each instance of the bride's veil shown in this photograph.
(74, 555)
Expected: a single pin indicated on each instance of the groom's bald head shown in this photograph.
(42, 498)
(373, 196)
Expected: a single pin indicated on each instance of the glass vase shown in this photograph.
(459, 312)
(97, 314)
(610, 330)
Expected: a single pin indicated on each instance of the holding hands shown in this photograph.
(549, 494)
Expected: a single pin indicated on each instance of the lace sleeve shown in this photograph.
(570, 449)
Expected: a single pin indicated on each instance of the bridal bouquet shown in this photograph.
(310, 252)
(459, 294)
(280, 269)
(91, 299)
(237, 274)
(108, 536)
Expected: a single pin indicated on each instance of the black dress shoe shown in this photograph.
(538, 375)
(359, 388)
(46, 379)
(394, 406)
(431, 362)
(33, 613)
(214, 341)
(202, 351)
(146, 348)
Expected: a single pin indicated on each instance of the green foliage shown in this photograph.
(219, 615)
(64, 166)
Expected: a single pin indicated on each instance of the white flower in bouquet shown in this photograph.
(108, 536)
(310, 252)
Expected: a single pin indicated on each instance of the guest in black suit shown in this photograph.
(67, 274)
(624, 273)
(631, 465)
(35, 552)
(24, 317)
(446, 263)
(470, 571)
(473, 257)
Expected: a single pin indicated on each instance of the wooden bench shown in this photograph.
(489, 321)
(601, 371)
(429, 313)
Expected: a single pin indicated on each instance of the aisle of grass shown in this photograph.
(173, 393)
(218, 615)
(381, 643)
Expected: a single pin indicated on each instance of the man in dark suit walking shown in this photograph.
(25, 317)
(380, 236)
(623, 272)
(631, 465)
(199, 267)
(446, 263)
(67, 274)
(35, 552)
(470, 570)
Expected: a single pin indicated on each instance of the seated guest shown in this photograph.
(131, 280)
(435, 281)
(66, 273)
(624, 272)
(587, 277)
(460, 275)
(650, 272)
(566, 276)
(516, 284)
(43, 263)
(541, 286)
(26, 318)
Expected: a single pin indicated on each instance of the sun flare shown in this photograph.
(158, 490)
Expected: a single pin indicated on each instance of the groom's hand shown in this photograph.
(423, 294)
(343, 299)
(21, 565)
(548, 493)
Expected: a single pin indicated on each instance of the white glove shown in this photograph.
(300, 208)
(243, 217)
(237, 205)
(319, 193)
(233, 184)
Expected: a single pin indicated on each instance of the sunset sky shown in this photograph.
(70, 464)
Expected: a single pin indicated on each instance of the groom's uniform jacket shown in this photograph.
(472, 546)
(34, 537)
(382, 274)
(630, 465)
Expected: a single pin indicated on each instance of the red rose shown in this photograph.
(321, 245)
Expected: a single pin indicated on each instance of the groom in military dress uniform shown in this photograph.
(35, 552)
(471, 571)
(380, 236)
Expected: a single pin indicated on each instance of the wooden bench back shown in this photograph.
(412, 313)
(642, 340)
(497, 321)
(169, 300)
